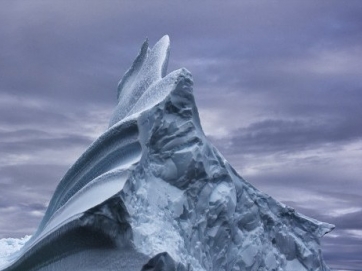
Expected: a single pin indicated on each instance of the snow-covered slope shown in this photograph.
(152, 193)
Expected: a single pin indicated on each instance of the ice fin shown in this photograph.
(161, 52)
(147, 70)
(130, 75)
(325, 228)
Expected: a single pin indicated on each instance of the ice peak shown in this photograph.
(149, 67)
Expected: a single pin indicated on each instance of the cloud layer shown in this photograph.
(278, 85)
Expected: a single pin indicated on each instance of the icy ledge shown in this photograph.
(152, 193)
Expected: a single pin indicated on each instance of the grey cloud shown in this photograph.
(33, 177)
(318, 176)
(37, 144)
(20, 113)
(342, 253)
(25, 191)
(273, 136)
(7, 136)
(251, 61)
(351, 221)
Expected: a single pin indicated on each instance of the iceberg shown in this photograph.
(152, 193)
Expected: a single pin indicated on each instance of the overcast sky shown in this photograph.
(278, 85)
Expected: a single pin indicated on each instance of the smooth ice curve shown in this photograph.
(152, 193)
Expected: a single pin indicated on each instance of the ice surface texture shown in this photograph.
(152, 193)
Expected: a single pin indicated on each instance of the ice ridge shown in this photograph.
(152, 193)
